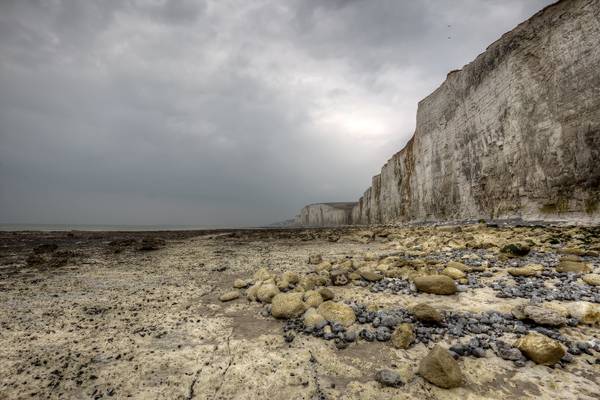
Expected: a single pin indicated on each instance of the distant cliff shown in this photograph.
(514, 134)
(325, 214)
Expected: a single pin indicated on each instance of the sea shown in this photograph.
(128, 228)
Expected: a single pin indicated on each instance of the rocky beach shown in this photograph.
(478, 311)
(468, 269)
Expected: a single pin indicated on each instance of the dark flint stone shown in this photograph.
(350, 336)
(389, 378)
(367, 335)
(458, 349)
(478, 352)
(567, 358)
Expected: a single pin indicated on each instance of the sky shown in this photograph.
(217, 112)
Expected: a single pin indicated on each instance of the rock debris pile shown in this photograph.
(556, 288)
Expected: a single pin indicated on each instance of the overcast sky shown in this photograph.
(217, 112)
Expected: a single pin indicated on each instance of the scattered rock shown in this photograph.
(339, 278)
(313, 319)
(290, 277)
(459, 266)
(528, 270)
(573, 251)
(326, 293)
(435, 284)
(544, 316)
(506, 352)
(454, 273)
(282, 284)
(585, 312)
(403, 336)
(312, 298)
(287, 305)
(266, 292)
(228, 296)
(324, 266)
(262, 274)
(516, 249)
(252, 292)
(572, 266)
(540, 348)
(440, 368)
(592, 279)
(425, 313)
(370, 275)
(518, 311)
(337, 312)
(241, 283)
(389, 378)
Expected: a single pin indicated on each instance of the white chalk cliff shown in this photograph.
(514, 134)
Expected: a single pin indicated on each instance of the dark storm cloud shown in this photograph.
(224, 112)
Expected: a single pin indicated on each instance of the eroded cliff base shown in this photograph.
(108, 315)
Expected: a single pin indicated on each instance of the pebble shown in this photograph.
(389, 378)
(366, 335)
(565, 288)
(383, 334)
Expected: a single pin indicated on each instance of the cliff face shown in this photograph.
(515, 133)
(325, 214)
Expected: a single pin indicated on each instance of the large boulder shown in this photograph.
(228, 296)
(460, 266)
(312, 318)
(252, 291)
(544, 316)
(528, 270)
(592, 279)
(324, 266)
(370, 275)
(440, 368)
(307, 283)
(435, 284)
(454, 273)
(337, 312)
(587, 313)
(262, 274)
(403, 336)
(540, 348)
(287, 305)
(425, 313)
(291, 277)
(282, 283)
(287, 280)
(312, 298)
(572, 266)
(266, 292)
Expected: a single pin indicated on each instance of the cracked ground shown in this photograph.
(97, 318)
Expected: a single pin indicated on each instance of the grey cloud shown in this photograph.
(217, 113)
